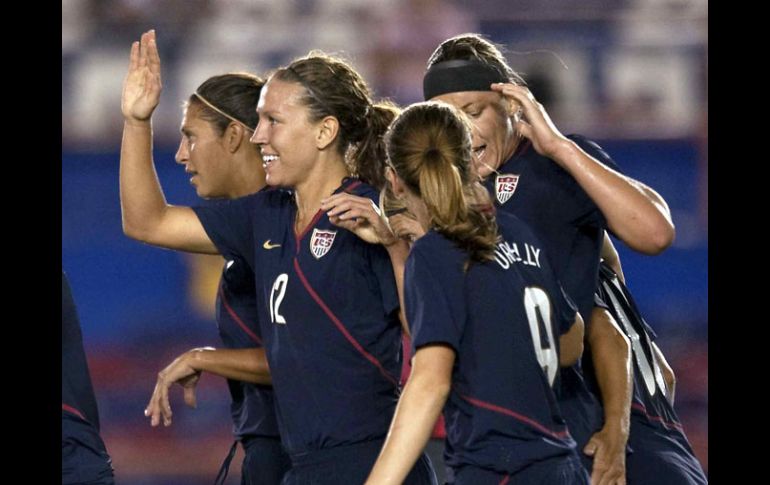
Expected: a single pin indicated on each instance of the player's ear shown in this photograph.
(395, 181)
(328, 128)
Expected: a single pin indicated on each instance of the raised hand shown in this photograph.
(142, 85)
(532, 121)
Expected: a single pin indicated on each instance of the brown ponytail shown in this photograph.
(367, 157)
(429, 146)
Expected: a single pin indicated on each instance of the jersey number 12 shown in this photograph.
(276, 298)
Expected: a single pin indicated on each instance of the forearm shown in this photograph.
(635, 213)
(141, 198)
(611, 355)
(247, 365)
(418, 409)
(398, 252)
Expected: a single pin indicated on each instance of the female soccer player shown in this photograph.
(569, 191)
(328, 302)
(486, 314)
(219, 118)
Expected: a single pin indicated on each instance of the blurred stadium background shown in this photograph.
(632, 74)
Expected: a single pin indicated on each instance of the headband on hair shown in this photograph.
(232, 118)
(459, 75)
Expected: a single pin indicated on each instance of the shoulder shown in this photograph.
(594, 149)
(432, 245)
(512, 228)
(362, 189)
(507, 222)
(436, 252)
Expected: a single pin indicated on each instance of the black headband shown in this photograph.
(459, 75)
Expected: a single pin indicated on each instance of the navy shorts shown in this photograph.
(84, 458)
(349, 465)
(662, 459)
(265, 462)
(566, 470)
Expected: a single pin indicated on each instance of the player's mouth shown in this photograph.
(267, 160)
(192, 174)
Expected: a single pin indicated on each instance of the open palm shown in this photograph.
(142, 86)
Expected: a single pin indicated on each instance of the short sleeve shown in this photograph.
(379, 261)
(229, 225)
(434, 300)
(565, 310)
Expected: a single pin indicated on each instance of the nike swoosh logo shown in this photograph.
(267, 245)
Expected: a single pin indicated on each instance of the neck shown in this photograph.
(248, 176)
(319, 185)
(511, 148)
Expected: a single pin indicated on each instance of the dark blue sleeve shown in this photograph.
(229, 224)
(592, 148)
(379, 261)
(565, 311)
(433, 301)
(599, 300)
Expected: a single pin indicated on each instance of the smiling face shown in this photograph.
(203, 153)
(285, 135)
(494, 138)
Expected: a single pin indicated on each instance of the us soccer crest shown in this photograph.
(505, 186)
(321, 242)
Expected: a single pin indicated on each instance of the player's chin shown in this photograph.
(272, 181)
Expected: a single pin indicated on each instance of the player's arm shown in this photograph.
(668, 372)
(571, 343)
(419, 407)
(398, 253)
(248, 365)
(146, 215)
(611, 354)
(637, 214)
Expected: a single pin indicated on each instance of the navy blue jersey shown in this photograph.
(84, 456)
(562, 215)
(503, 319)
(77, 393)
(253, 408)
(547, 198)
(655, 426)
(328, 316)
